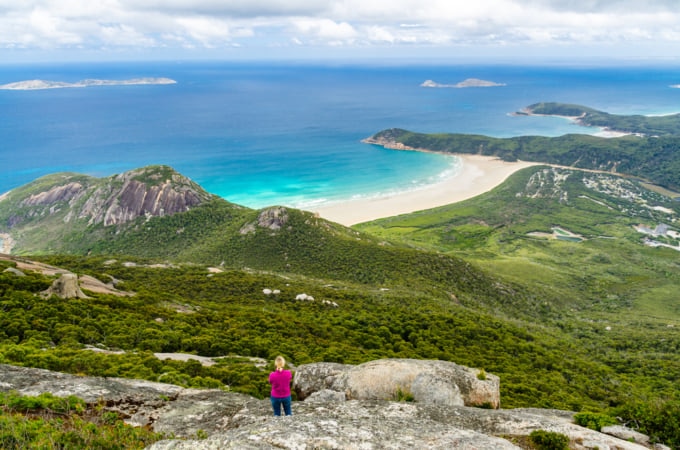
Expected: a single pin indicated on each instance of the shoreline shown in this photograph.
(478, 174)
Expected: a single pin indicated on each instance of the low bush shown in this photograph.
(594, 421)
(549, 440)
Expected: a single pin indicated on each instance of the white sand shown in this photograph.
(477, 175)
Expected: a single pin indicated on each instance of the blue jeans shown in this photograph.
(278, 402)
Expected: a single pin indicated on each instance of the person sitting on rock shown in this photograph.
(280, 381)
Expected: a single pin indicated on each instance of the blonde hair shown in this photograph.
(279, 362)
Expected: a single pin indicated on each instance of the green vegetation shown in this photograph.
(659, 419)
(403, 395)
(594, 421)
(549, 440)
(47, 422)
(653, 158)
(647, 125)
(227, 313)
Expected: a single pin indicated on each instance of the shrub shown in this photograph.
(549, 440)
(403, 395)
(46, 422)
(594, 421)
(660, 420)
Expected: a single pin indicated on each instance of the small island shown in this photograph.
(467, 83)
(33, 85)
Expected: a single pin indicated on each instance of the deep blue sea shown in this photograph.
(265, 134)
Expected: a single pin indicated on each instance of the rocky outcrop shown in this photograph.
(146, 192)
(56, 194)
(238, 421)
(270, 218)
(311, 378)
(431, 382)
(66, 286)
(142, 192)
(14, 271)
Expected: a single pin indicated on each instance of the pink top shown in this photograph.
(280, 381)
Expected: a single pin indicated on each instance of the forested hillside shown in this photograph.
(646, 125)
(656, 159)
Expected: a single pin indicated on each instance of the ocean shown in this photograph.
(262, 134)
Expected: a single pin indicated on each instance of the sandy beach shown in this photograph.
(477, 175)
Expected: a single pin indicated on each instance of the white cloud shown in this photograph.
(124, 35)
(281, 23)
(206, 30)
(325, 29)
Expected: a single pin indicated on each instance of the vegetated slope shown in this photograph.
(290, 241)
(216, 232)
(654, 158)
(611, 266)
(189, 309)
(647, 125)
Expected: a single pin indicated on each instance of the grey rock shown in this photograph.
(56, 194)
(432, 382)
(626, 434)
(310, 378)
(348, 425)
(66, 286)
(233, 420)
(14, 271)
(273, 218)
(326, 396)
(126, 197)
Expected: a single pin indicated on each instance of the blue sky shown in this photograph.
(511, 30)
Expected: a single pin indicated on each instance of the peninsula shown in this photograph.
(589, 117)
(33, 85)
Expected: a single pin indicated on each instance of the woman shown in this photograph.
(280, 381)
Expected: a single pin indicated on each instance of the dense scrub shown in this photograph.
(648, 125)
(49, 422)
(187, 309)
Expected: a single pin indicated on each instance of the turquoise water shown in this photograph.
(259, 134)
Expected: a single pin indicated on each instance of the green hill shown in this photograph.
(646, 125)
(573, 233)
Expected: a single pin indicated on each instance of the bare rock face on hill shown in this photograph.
(432, 382)
(238, 421)
(141, 193)
(149, 191)
(66, 210)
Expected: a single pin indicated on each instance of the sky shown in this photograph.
(44, 30)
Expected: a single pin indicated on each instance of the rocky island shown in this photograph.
(33, 85)
(469, 82)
